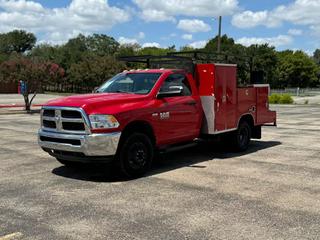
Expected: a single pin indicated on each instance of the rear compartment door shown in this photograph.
(226, 97)
(264, 115)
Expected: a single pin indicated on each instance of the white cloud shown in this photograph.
(151, 44)
(193, 25)
(309, 52)
(141, 35)
(198, 44)
(295, 32)
(315, 30)
(278, 41)
(187, 36)
(57, 24)
(167, 10)
(152, 15)
(21, 5)
(299, 12)
(249, 19)
(135, 40)
(124, 40)
(169, 37)
(57, 38)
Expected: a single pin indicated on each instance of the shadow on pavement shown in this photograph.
(192, 157)
(164, 162)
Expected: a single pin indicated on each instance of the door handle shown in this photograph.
(191, 103)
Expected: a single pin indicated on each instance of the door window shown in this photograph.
(179, 80)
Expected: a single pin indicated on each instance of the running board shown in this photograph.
(270, 125)
(178, 147)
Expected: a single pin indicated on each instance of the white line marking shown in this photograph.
(12, 236)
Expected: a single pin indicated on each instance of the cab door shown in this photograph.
(178, 117)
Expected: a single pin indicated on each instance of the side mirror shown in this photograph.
(95, 90)
(173, 91)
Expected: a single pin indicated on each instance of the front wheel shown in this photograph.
(241, 138)
(135, 155)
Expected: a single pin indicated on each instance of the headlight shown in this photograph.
(103, 121)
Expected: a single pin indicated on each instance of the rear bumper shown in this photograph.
(90, 145)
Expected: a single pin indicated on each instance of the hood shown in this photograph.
(97, 100)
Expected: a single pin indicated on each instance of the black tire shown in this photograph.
(242, 137)
(68, 164)
(135, 155)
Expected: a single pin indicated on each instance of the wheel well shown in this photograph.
(247, 118)
(139, 127)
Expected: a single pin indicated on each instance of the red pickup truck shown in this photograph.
(138, 112)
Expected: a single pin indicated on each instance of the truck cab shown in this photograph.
(138, 112)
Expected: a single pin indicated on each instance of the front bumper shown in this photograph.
(87, 145)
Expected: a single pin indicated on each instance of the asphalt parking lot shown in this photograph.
(270, 192)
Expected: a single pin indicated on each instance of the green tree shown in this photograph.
(3, 57)
(155, 51)
(94, 70)
(264, 58)
(226, 44)
(78, 48)
(17, 41)
(34, 73)
(297, 69)
(102, 44)
(46, 52)
(128, 50)
(186, 48)
(316, 56)
(73, 51)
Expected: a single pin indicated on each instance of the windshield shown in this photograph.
(137, 83)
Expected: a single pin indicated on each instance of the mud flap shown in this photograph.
(256, 132)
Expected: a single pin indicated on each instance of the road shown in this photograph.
(270, 192)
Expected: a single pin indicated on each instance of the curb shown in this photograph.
(17, 105)
(10, 112)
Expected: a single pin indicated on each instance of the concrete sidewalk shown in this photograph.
(14, 103)
(9, 99)
(307, 100)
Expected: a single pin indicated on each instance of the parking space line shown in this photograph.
(12, 236)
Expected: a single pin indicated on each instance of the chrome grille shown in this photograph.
(64, 120)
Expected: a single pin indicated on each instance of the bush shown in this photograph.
(280, 99)
(286, 99)
(274, 98)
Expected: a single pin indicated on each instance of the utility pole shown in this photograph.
(219, 35)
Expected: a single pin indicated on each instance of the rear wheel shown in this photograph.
(135, 155)
(241, 138)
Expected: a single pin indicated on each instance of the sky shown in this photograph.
(285, 24)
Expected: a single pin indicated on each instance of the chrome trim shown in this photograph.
(91, 145)
(58, 120)
(225, 65)
(261, 85)
(208, 124)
